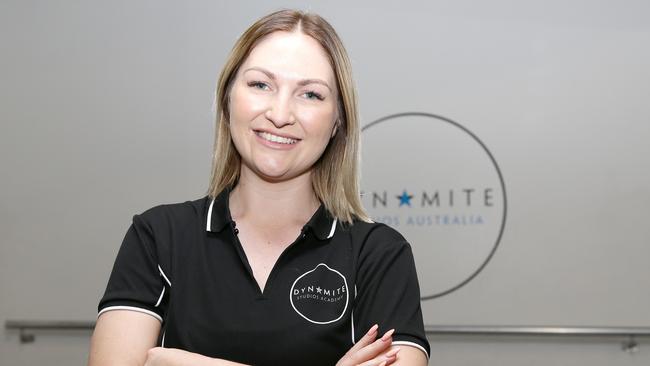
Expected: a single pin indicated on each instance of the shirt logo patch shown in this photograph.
(321, 295)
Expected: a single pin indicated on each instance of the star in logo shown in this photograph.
(319, 290)
(404, 199)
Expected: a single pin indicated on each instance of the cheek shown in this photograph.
(240, 114)
(244, 105)
(318, 121)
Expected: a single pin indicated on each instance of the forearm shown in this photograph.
(176, 357)
(200, 360)
(122, 338)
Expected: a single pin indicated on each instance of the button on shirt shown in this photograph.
(183, 264)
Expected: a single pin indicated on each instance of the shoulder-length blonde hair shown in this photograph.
(335, 177)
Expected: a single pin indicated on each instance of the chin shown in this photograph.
(270, 174)
(273, 170)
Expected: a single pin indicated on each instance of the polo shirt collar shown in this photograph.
(219, 213)
(322, 224)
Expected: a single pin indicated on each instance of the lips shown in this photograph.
(276, 138)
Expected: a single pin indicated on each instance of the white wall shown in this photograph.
(106, 111)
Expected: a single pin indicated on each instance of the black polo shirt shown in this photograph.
(184, 265)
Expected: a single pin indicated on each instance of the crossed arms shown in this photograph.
(128, 338)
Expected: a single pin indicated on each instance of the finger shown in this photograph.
(372, 350)
(375, 363)
(393, 352)
(388, 358)
(367, 339)
(391, 356)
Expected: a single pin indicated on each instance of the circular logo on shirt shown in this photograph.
(438, 184)
(320, 295)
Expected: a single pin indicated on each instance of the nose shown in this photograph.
(280, 111)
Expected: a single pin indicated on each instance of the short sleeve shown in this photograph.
(387, 290)
(137, 281)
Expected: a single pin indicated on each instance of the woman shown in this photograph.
(279, 264)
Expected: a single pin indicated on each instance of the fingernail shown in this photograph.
(387, 335)
(373, 330)
(392, 352)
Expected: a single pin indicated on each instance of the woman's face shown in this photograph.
(283, 106)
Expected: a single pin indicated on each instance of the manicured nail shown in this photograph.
(393, 352)
(387, 335)
(372, 330)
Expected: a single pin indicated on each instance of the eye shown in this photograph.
(313, 95)
(258, 85)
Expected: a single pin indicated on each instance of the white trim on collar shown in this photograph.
(333, 229)
(208, 224)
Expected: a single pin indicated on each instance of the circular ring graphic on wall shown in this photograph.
(439, 185)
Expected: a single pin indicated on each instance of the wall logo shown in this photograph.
(438, 184)
(321, 295)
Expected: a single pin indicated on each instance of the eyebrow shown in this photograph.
(302, 82)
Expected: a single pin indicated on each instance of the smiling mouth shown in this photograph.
(277, 139)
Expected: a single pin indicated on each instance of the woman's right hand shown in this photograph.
(370, 352)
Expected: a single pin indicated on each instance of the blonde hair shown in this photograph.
(335, 177)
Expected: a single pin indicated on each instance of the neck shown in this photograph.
(273, 204)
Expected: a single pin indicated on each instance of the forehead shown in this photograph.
(291, 55)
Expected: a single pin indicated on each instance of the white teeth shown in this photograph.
(282, 140)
